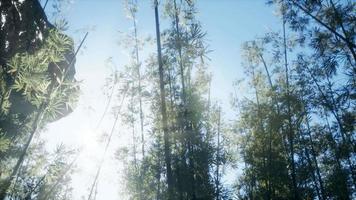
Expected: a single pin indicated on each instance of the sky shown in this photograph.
(228, 24)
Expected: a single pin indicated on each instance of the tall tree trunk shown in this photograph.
(260, 120)
(158, 171)
(186, 125)
(208, 127)
(217, 181)
(5, 186)
(134, 148)
(138, 65)
(167, 151)
(269, 171)
(289, 114)
(179, 49)
(312, 172)
(315, 160)
(97, 175)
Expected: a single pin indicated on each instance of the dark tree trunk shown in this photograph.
(167, 151)
(290, 127)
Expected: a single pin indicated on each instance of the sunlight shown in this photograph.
(90, 142)
(177, 99)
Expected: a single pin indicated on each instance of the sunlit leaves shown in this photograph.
(5, 103)
(4, 143)
(35, 81)
(31, 70)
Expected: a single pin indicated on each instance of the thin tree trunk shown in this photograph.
(33, 131)
(167, 150)
(138, 65)
(208, 115)
(186, 125)
(158, 192)
(261, 129)
(290, 131)
(97, 175)
(313, 173)
(269, 171)
(315, 160)
(217, 182)
(134, 137)
(45, 5)
(96, 191)
(179, 46)
(158, 171)
(107, 105)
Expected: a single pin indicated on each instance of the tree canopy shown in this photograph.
(290, 136)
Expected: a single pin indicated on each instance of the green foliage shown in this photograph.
(192, 131)
(4, 143)
(5, 104)
(30, 71)
(42, 176)
(34, 82)
(296, 142)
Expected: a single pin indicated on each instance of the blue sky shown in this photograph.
(228, 24)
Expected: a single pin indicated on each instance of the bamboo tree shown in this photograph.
(167, 151)
(37, 121)
(112, 131)
(290, 131)
(133, 10)
(349, 43)
(179, 49)
(317, 168)
(60, 178)
(331, 106)
(217, 181)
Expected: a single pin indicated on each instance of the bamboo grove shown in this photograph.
(293, 135)
(298, 137)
